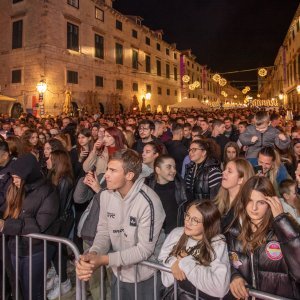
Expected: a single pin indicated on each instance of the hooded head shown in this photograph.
(27, 168)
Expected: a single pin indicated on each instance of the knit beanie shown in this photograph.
(27, 168)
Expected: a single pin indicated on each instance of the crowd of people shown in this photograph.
(212, 195)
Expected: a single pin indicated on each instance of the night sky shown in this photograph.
(225, 35)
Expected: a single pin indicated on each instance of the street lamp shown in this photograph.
(298, 89)
(148, 96)
(280, 96)
(41, 88)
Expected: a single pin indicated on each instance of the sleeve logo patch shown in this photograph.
(132, 221)
(235, 260)
(273, 251)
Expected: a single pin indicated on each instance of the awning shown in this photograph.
(6, 98)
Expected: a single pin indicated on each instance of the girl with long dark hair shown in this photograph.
(32, 207)
(61, 176)
(263, 243)
(197, 255)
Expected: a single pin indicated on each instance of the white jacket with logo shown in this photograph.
(129, 226)
(212, 280)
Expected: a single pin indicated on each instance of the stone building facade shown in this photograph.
(101, 57)
(88, 49)
(283, 80)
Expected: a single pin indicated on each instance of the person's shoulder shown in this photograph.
(178, 231)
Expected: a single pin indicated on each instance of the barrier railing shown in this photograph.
(159, 267)
(80, 285)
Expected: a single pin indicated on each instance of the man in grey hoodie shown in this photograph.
(130, 221)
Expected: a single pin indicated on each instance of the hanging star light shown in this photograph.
(196, 84)
(216, 77)
(244, 91)
(222, 82)
(186, 78)
(192, 87)
(262, 72)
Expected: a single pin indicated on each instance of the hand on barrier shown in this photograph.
(177, 272)
(88, 263)
(238, 288)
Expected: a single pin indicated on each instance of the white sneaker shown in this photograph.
(51, 282)
(51, 272)
(64, 288)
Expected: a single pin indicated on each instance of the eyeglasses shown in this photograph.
(193, 150)
(194, 221)
(143, 129)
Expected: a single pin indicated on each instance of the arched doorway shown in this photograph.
(16, 110)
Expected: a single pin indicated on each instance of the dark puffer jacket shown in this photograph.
(276, 264)
(39, 212)
(206, 172)
(181, 196)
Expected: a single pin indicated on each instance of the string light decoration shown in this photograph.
(262, 72)
(235, 96)
(222, 82)
(196, 84)
(258, 95)
(298, 89)
(186, 78)
(216, 77)
(192, 87)
(247, 88)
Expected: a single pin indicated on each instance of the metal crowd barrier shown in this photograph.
(157, 268)
(80, 285)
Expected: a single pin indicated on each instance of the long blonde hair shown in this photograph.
(245, 171)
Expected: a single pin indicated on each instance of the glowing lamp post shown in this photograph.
(298, 89)
(41, 88)
(148, 96)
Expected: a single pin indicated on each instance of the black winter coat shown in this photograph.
(200, 189)
(38, 215)
(276, 264)
(181, 196)
(5, 181)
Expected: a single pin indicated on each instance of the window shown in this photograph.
(99, 81)
(16, 76)
(119, 25)
(148, 64)
(134, 33)
(99, 46)
(175, 55)
(147, 41)
(188, 63)
(119, 84)
(158, 67)
(135, 59)
(119, 54)
(74, 3)
(16, 1)
(17, 34)
(167, 51)
(72, 77)
(72, 37)
(167, 70)
(99, 14)
(298, 26)
(168, 92)
(148, 88)
(175, 73)
(135, 87)
(158, 46)
(159, 90)
(175, 92)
